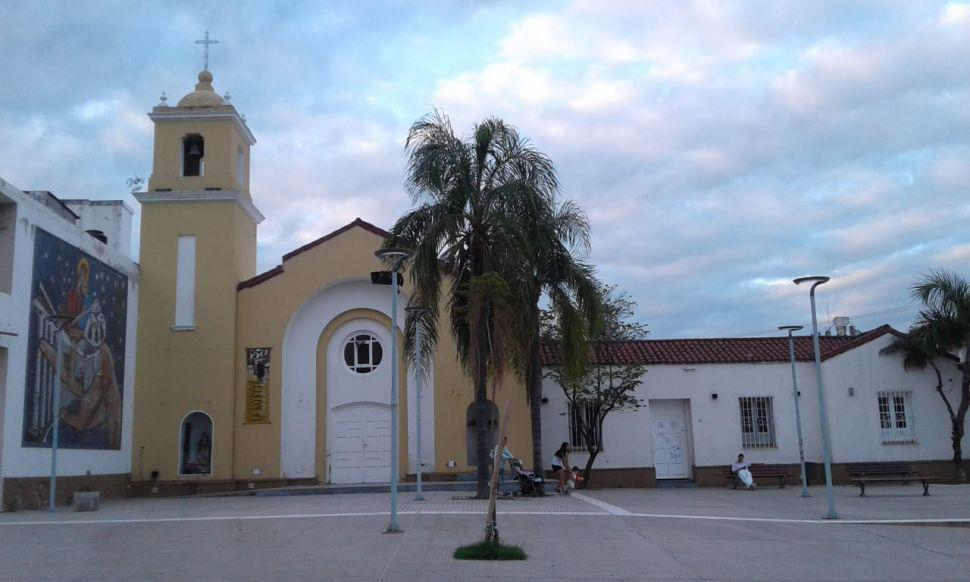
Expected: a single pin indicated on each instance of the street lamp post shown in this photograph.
(398, 256)
(419, 381)
(60, 320)
(822, 412)
(798, 413)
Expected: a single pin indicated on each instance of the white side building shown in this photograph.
(65, 292)
(706, 400)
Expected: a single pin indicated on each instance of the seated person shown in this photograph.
(743, 470)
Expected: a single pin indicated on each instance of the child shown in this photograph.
(574, 479)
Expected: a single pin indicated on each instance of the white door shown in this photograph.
(377, 444)
(669, 431)
(361, 450)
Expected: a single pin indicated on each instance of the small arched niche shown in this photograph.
(195, 450)
(471, 427)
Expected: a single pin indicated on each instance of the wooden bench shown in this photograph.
(862, 473)
(760, 471)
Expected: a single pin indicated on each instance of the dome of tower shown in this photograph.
(204, 95)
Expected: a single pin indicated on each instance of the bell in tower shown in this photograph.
(201, 144)
(192, 148)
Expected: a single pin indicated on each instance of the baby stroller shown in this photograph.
(529, 482)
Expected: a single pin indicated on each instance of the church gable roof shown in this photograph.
(357, 223)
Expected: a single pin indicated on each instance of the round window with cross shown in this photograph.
(363, 353)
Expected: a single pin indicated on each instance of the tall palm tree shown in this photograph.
(942, 327)
(472, 199)
(552, 249)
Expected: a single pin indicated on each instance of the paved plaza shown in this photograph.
(624, 534)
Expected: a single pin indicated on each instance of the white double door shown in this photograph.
(668, 429)
(361, 448)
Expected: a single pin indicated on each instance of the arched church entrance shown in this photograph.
(358, 403)
(333, 373)
(360, 450)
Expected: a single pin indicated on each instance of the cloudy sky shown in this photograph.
(720, 149)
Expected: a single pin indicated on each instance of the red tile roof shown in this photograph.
(725, 350)
(357, 223)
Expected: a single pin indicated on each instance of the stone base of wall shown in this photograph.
(439, 477)
(714, 476)
(944, 470)
(638, 477)
(20, 493)
(203, 486)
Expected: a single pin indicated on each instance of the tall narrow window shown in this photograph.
(239, 168)
(193, 152)
(896, 417)
(582, 416)
(757, 422)
(185, 284)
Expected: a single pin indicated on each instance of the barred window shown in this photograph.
(757, 422)
(586, 412)
(896, 417)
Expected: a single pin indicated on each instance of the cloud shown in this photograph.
(721, 148)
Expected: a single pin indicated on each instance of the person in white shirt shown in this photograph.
(743, 470)
(560, 465)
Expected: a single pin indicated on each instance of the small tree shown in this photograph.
(943, 327)
(134, 184)
(608, 381)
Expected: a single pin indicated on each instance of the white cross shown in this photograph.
(206, 42)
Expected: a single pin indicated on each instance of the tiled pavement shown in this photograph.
(704, 534)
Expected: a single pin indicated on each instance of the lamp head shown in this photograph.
(791, 328)
(816, 279)
(392, 253)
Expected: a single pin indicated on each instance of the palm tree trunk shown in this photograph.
(535, 400)
(960, 418)
(482, 408)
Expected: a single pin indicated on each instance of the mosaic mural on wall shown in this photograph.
(79, 309)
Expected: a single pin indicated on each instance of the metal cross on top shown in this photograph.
(206, 42)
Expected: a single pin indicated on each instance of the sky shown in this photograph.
(720, 149)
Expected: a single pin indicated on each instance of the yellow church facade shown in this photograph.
(248, 380)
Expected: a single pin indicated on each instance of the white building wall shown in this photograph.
(19, 461)
(856, 434)
(715, 424)
(112, 217)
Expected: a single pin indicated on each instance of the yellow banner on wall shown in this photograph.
(257, 385)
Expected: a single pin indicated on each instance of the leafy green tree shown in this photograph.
(609, 381)
(473, 197)
(942, 328)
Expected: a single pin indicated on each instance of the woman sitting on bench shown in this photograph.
(743, 471)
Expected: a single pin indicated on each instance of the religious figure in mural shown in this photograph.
(81, 304)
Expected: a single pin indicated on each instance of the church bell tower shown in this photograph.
(198, 241)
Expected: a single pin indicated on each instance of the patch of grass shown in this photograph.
(489, 551)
